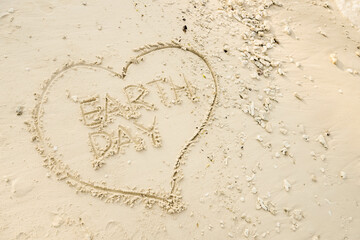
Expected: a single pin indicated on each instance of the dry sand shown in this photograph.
(179, 120)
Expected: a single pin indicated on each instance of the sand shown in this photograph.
(179, 120)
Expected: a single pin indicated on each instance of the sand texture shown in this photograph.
(200, 119)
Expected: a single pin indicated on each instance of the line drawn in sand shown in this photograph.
(170, 201)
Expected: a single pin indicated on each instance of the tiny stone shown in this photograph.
(259, 138)
(287, 30)
(298, 96)
(19, 110)
(313, 178)
(315, 237)
(305, 137)
(283, 131)
(333, 58)
(343, 175)
(287, 185)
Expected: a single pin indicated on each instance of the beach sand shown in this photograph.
(179, 120)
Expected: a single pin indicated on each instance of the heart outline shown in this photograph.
(169, 201)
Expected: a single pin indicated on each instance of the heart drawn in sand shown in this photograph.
(100, 130)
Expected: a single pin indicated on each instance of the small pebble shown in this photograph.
(298, 96)
(333, 58)
(19, 110)
(287, 185)
(313, 178)
(287, 30)
(322, 140)
(316, 237)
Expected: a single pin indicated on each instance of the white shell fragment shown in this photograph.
(268, 127)
(287, 30)
(305, 137)
(298, 96)
(322, 140)
(343, 175)
(262, 204)
(281, 72)
(287, 185)
(259, 138)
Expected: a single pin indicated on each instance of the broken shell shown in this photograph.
(268, 127)
(287, 30)
(322, 140)
(305, 137)
(343, 175)
(280, 72)
(19, 110)
(313, 178)
(333, 58)
(259, 138)
(287, 185)
(283, 131)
